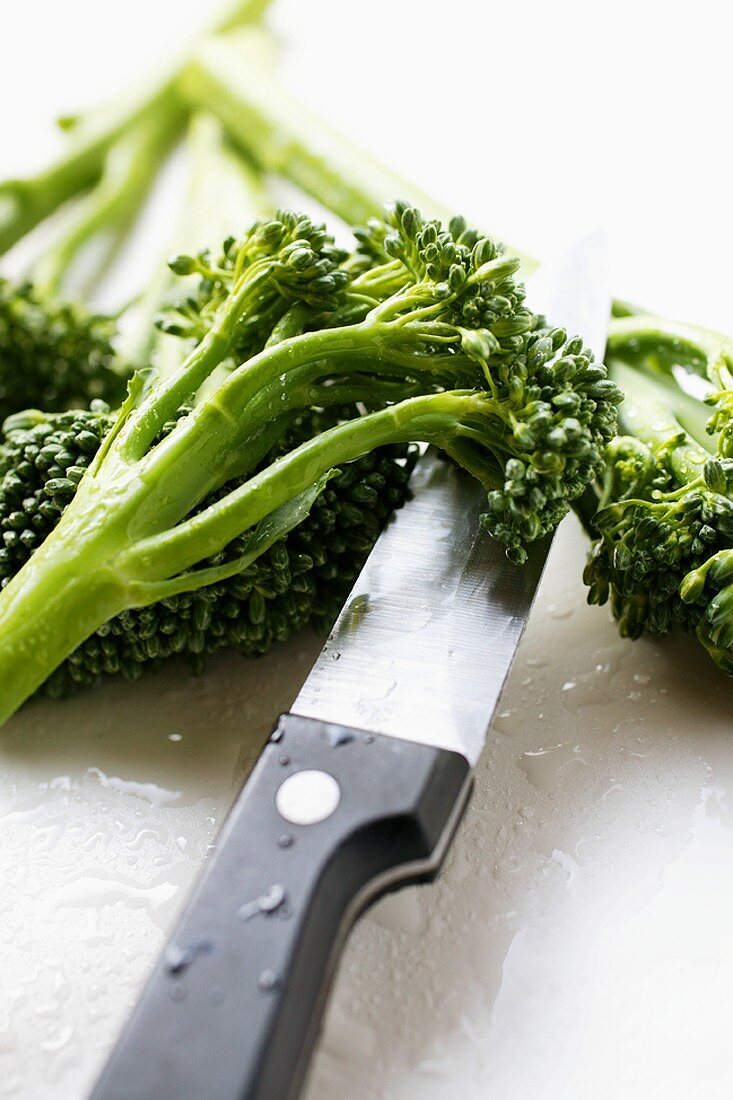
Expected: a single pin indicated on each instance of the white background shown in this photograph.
(579, 943)
(543, 119)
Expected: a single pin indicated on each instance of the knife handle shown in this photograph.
(330, 819)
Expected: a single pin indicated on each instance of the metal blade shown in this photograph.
(423, 645)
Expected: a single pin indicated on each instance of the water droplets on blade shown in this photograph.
(424, 642)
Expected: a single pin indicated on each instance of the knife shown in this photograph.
(359, 789)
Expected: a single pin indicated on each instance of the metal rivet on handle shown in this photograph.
(308, 797)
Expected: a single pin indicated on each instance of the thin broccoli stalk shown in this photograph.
(24, 202)
(232, 76)
(222, 192)
(107, 211)
(432, 419)
(665, 515)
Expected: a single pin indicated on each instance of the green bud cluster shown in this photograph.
(432, 263)
(55, 355)
(43, 457)
(561, 414)
(549, 406)
(655, 539)
(285, 260)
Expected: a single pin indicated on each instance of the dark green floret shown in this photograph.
(665, 510)
(53, 355)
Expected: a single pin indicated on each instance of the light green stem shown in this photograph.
(232, 76)
(51, 607)
(427, 419)
(26, 202)
(223, 195)
(109, 208)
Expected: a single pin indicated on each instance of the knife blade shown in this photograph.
(359, 790)
(406, 640)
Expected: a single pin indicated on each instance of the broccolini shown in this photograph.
(425, 329)
(660, 515)
(300, 582)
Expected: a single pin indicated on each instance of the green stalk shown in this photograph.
(649, 416)
(213, 440)
(428, 419)
(223, 194)
(26, 202)
(233, 78)
(109, 208)
(51, 606)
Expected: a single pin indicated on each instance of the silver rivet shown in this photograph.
(308, 797)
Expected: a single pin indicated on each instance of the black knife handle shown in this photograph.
(233, 1007)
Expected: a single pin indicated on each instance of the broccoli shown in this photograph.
(660, 515)
(301, 581)
(54, 351)
(664, 519)
(24, 203)
(425, 329)
(53, 354)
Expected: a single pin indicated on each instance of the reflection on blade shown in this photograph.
(423, 645)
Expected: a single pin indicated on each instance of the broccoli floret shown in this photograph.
(54, 355)
(664, 555)
(301, 581)
(665, 513)
(449, 355)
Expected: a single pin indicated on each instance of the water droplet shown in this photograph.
(338, 737)
(268, 980)
(178, 959)
(268, 903)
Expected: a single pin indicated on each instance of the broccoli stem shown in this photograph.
(222, 192)
(428, 419)
(130, 560)
(59, 608)
(232, 77)
(26, 202)
(108, 209)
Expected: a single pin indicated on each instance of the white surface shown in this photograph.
(579, 943)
